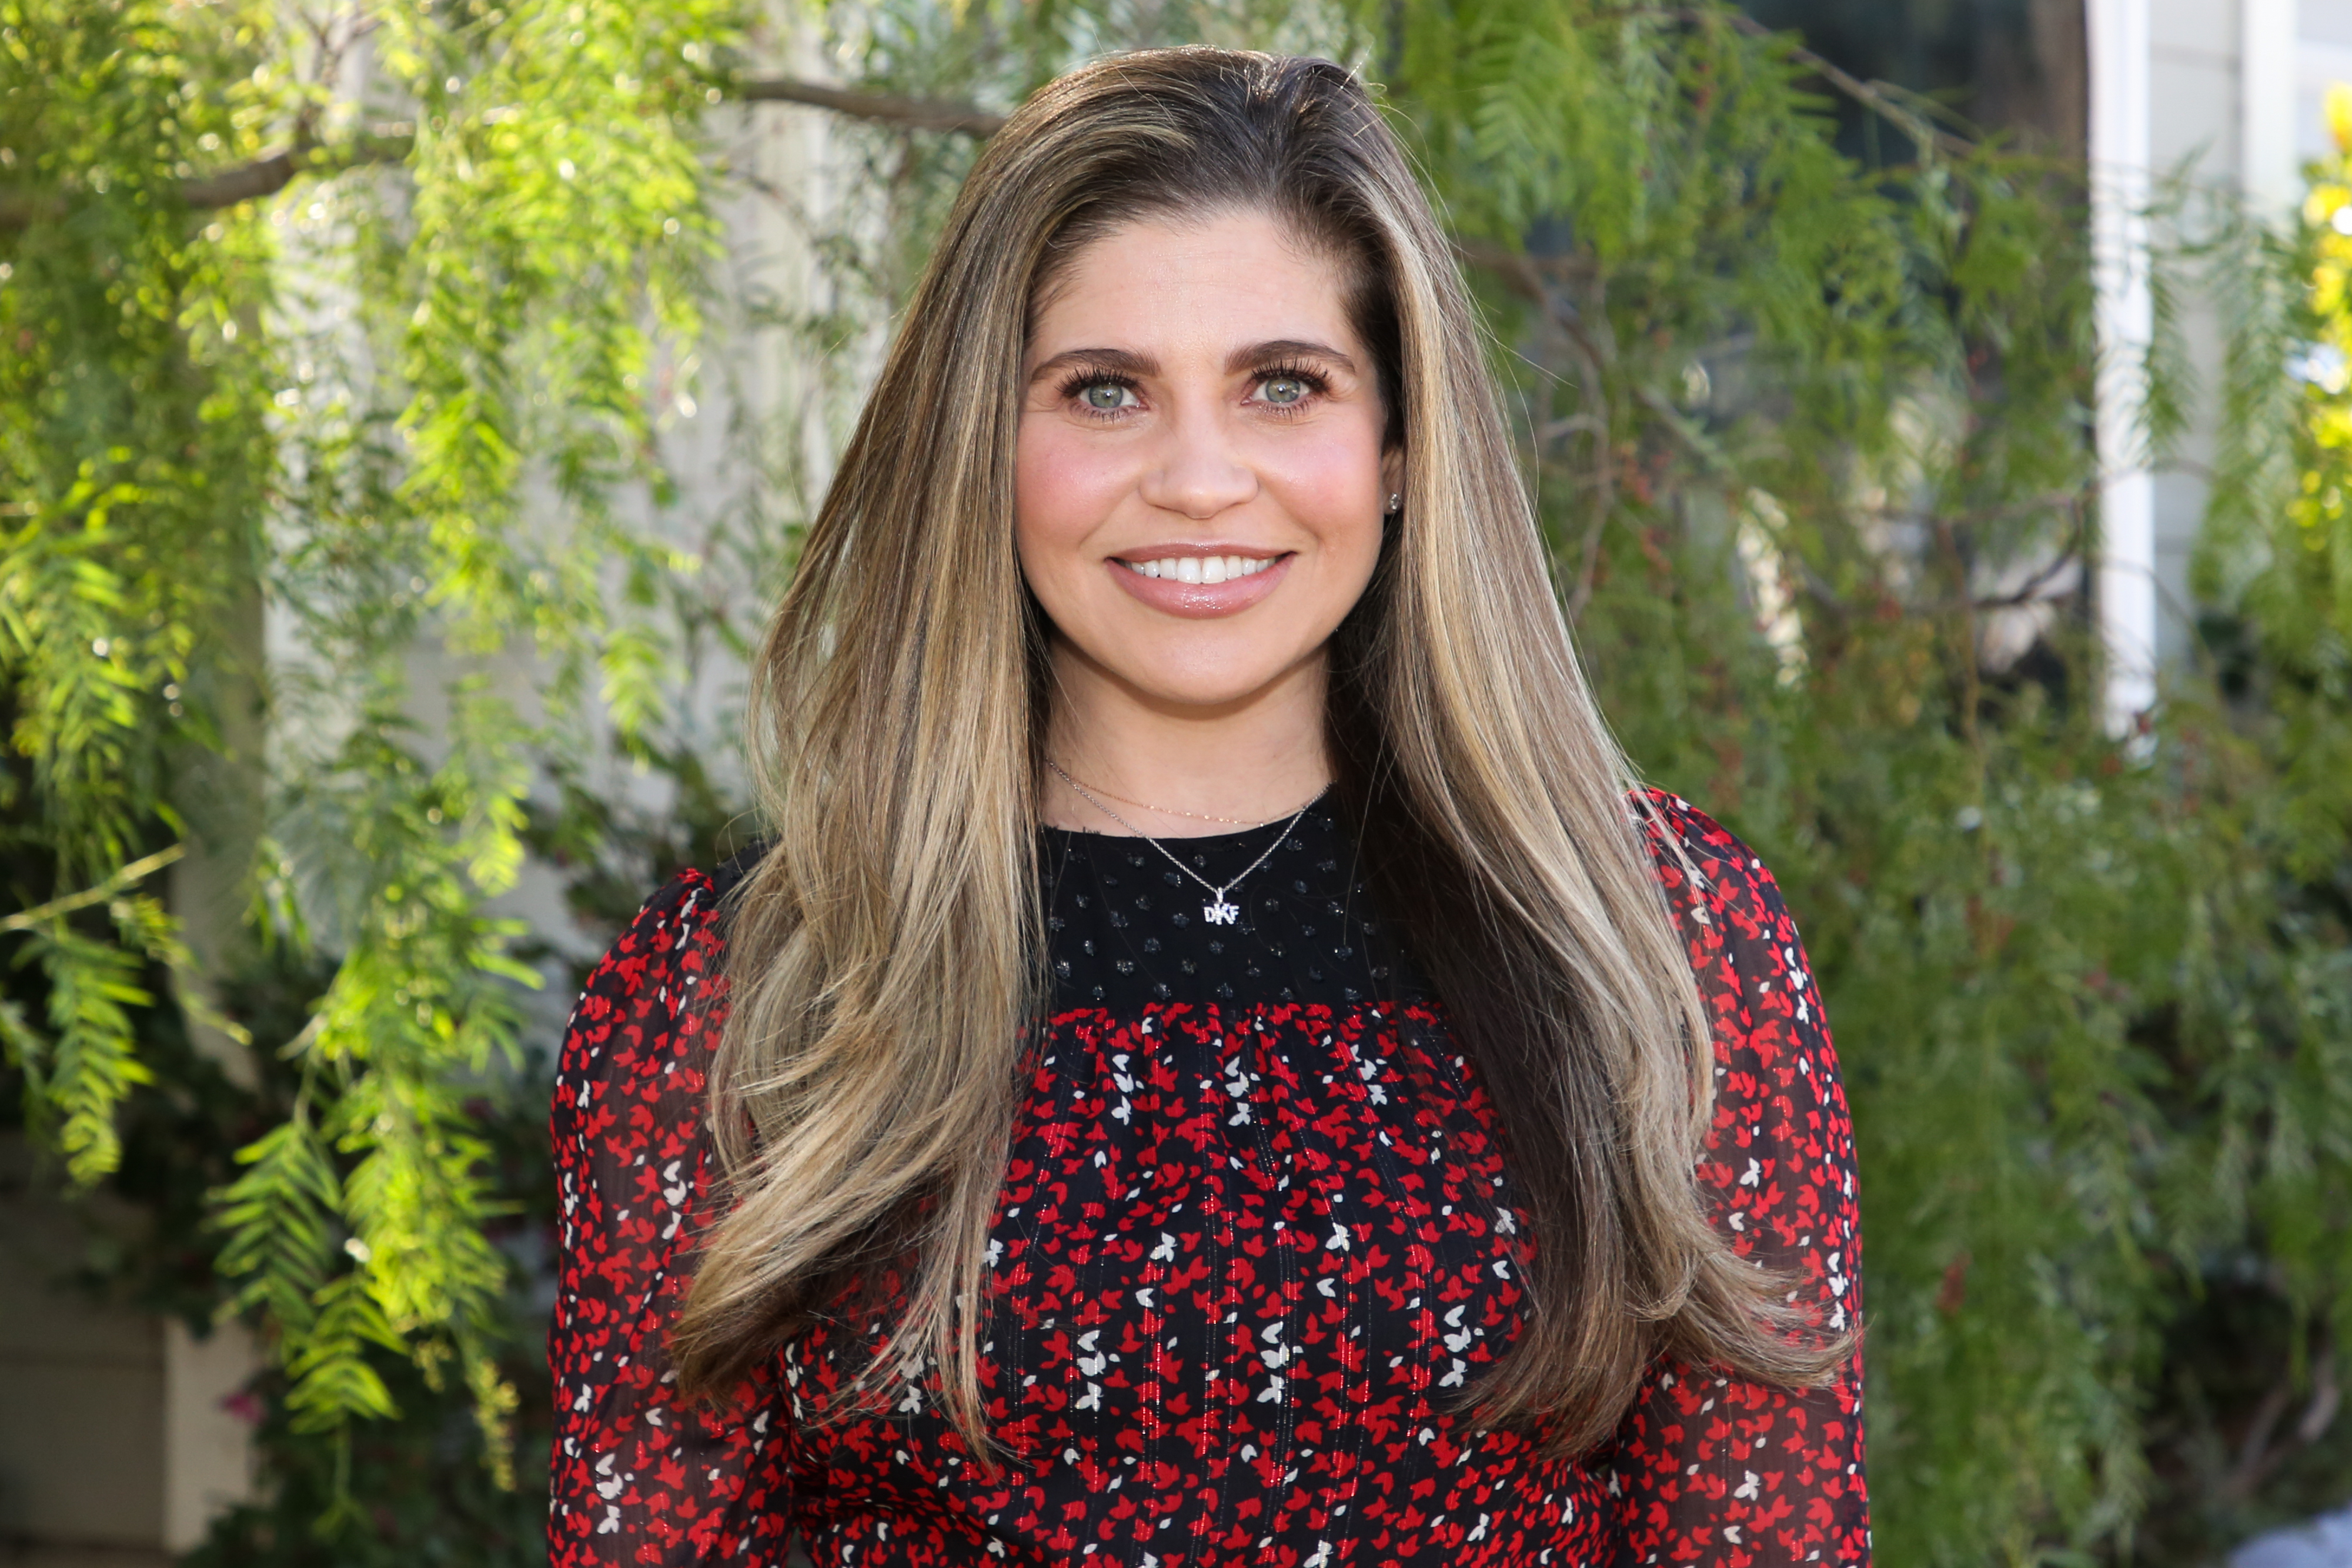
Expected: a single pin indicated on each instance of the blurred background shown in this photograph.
(1941, 416)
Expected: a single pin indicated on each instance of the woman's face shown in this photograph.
(1200, 482)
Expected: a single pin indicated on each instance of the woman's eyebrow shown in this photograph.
(1122, 361)
(1127, 362)
(1242, 358)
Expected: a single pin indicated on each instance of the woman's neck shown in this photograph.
(1177, 771)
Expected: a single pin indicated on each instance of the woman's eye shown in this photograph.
(1104, 396)
(1283, 389)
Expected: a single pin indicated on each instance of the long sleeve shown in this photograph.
(1713, 1468)
(638, 1478)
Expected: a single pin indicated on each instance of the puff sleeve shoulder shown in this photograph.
(637, 1477)
(1711, 1468)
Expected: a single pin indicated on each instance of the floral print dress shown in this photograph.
(1255, 1236)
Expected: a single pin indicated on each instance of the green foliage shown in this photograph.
(2090, 1009)
(85, 1066)
(1813, 449)
(1770, 391)
(135, 451)
(134, 457)
(397, 1492)
(404, 1488)
(334, 402)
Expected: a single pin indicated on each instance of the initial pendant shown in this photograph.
(1219, 913)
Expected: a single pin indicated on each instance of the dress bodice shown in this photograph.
(1254, 1246)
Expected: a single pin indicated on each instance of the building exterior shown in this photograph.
(2230, 92)
(120, 1433)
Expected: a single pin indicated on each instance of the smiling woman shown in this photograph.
(1201, 481)
(1468, 1180)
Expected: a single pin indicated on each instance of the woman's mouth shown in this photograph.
(1199, 584)
(1211, 570)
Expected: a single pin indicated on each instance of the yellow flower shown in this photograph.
(2340, 116)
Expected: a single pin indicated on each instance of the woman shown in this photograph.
(1202, 1071)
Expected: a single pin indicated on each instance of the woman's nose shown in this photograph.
(1199, 473)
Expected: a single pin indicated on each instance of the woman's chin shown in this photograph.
(1225, 686)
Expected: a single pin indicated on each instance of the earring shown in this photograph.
(1396, 505)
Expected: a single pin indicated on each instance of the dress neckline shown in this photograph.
(1316, 809)
(1240, 835)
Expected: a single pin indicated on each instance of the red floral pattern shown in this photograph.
(1245, 1255)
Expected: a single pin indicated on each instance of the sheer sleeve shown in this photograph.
(637, 1478)
(1712, 1469)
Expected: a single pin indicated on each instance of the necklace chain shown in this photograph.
(1216, 911)
(1168, 811)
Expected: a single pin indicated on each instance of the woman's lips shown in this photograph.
(1199, 601)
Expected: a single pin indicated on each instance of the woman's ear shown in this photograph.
(1391, 473)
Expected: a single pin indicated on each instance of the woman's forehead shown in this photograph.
(1184, 287)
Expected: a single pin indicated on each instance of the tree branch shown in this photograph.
(128, 876)
(1871, 95)
(273, 172)
(265, 176)
(888, 109)
(1515, 271)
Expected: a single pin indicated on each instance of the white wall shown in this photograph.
(2196, 122)
(2234, 93)
(81, 1396)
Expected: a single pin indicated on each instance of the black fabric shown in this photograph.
(1126, 929)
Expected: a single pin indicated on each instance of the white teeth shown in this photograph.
(1210, 569)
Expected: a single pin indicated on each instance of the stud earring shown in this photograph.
(1396, 505)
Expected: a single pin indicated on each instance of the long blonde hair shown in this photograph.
(886, 968)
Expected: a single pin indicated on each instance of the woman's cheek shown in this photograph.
(1333, 489)
(1062, 492)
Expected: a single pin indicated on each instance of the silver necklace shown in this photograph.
(1217, 911)
(1076, 783)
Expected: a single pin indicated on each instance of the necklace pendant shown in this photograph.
(1219, 913)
